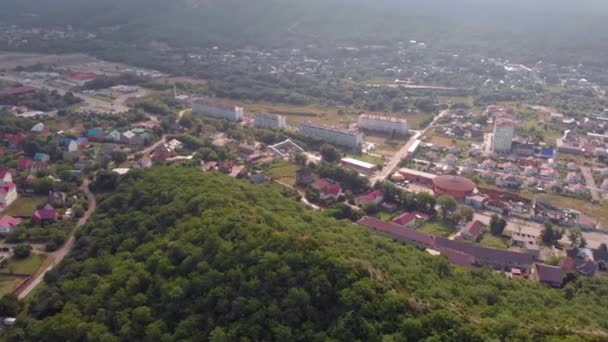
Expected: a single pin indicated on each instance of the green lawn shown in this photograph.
(8, 284)
(491, 241)
(437, 227)
(25, 206)
(283, 171)
(25, 266)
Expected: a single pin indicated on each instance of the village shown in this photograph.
(476, 186)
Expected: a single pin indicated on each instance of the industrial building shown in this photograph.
(455, 186)
(383, 124)
(358, 165)
(218, 111)
(332, 135)
(266, 120)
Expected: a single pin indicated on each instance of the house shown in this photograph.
(321, 184)
(259, 178)
(175, 144)
(509, 181)
(332, 192)
(38, 166)
(5, 176)
(488, 164)
(574, 178)
(467, 171)
(450, 159)
(43, 157)
(372, 198)
(72, 146)
(582, 266)
(531, 182)
(226, 166)
(45, 215)
(96, 135)
(7, 223)
(530, 171)
(549, 174)
(129, 138)
(113, 136)
(508, 167)
(304, 176)
(476, 201)
(143, 163)
(470, 162)
(411, 220)
(24, 163)
(548, 275)
(578, 190)
(163, 152)
(472, 231)
(82, 142)
(555, 186)
(14, 140)
(8, 195)
(40, 129)
(572, 166)
(488, 175)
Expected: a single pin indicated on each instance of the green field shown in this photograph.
(25, 266)
(491, 241)
(25, 206)
(439, 228)
(8, 284)
(283, 171)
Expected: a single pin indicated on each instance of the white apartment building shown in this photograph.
(504, 130)
(266, 120)
(332, 135)
(218, 111)
(383, 124)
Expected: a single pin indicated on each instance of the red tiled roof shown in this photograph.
(408, 217)
(549, 274)
(46, 213)
(321, 183)
(14, 138)
(458, 258)
(370, 197)
(473, 228)
(332, 190)
(9, 221)
(24, 163)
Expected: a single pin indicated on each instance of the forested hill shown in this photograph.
(179, 255)
(489, 25)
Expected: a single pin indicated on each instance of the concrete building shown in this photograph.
(266, 120)
(358, 165)
(504, 130)
(383, 124)
(218, 111)
(332, 135)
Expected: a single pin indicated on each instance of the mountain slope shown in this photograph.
(176, 254)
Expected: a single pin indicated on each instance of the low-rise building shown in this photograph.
(373, 198)
(7, 223)
(472, 231)
(548, 275)
(411, 219)
(358, 165)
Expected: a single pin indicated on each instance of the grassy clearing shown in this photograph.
(25, 206)
(8, 284)
(101, 97)
(595, 211)
(283, 171)
(441, 141)
(28, 265)
(416, 120)
(491, 241)
(439, 228)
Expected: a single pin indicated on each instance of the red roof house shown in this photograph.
(472, 231)
(47, 214)
(321, 184)
(411, 219)
(14, 140)
(7, 223)
(332, 192)
(372, 198)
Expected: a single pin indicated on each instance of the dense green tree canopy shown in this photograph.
(179, 255)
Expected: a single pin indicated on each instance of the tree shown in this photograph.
(550, 236)
(300, 159)
(466, 213)
(9, 306)
(497, 225)
(119, 157)
(447, 205)
(22, 250)
(329, 153)
(603, 247)
(105, 181)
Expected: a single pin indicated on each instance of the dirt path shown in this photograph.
(67, 247)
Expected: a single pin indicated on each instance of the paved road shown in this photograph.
(67, 247)
(402, 153)
(590, 181)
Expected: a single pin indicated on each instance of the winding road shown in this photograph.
(67, 247)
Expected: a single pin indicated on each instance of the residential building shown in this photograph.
(525, 238)
(383, 124)
(96, 135)
(113, 136)
(143, 163)
(44, 215)
(504, 130)
(129, 138)
(548, 275)
(218, 111)
(266, 120)
(8, 195)
(40, 129)
(5, 176)
(372, 198)
(358, 165)
(7, 223)
(332, 192)
(574, 178)
(472, 231)
(411, 219)
(39, 156)
(332, 135)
